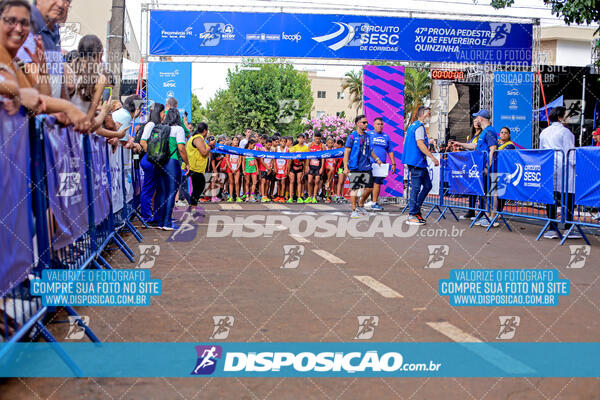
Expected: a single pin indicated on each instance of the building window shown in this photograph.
(320, 113)
(321, 94)
(340, 95)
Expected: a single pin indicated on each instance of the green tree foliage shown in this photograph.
(417, 89)
(354, 84)
(219, 114)
(196, 110)
(265, 97)
(572, 11)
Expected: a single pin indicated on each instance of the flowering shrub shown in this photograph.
(329, 125)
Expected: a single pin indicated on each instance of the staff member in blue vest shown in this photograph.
(416, 148)
(487, 140)
(357, 166)
(382, 147)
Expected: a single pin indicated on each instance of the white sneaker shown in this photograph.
(369, 204)
(551, 235)
(574, 235)
(181, 203)
(355, 214)
(362, 211)
(479, 222)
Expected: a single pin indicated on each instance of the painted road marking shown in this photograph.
(329, 257)
(299, 239)
(379, 287)
(454, 333)
(483, 350)
(273, 206)
(321, 207)
(230, 207)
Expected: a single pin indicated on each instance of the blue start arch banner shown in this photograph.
(210, 33)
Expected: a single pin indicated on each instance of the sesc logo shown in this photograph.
(474, 172)
(170, 83)
(214, 32)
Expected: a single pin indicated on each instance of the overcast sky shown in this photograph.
(207, 78)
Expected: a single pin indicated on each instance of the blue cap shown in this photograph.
(482, 113)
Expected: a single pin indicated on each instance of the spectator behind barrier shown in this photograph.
(15, 86)
(148, 213)
(558, 137)
(43, 41)
(168, 176)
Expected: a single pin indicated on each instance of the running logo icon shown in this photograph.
(437, 256)
(76, 329)
(223, 324)
(148, 255)
(366, 326)
(292, 255)
(579, 255)
(500, 32)
(207, 359)
(188, 227)
(508, 327)
(69, 184)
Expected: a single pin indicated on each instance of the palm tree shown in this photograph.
(417, 88)
(354, 84)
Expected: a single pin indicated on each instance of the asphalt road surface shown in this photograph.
(315, 290)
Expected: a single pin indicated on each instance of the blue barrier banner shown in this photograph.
(323, 359)
(465, 172)
(587, 184)
(172, 79)
(65, 177)
(116, 177)
(526, 175)
(128, 171)
(243, 34)
(16, 226)
(312, 155)
(100, 168)
(513, 105)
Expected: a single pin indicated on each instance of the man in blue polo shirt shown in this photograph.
(487, 140)
(357, 166)
(416, 148)
(382, 148)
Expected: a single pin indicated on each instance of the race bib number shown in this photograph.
(315, 163)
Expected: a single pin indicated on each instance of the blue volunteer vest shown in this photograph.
(411, 154)
(355, 151)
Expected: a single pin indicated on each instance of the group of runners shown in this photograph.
(266, 179)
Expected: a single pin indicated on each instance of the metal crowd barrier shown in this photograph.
(68, 202)
(471, 196)
(522, 189)
(533, 206)
(584, 209)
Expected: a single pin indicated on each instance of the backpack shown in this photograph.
(158, 145)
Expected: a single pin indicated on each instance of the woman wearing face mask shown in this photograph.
(17, 88)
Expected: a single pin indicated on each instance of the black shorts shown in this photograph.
(360, 180)
(270, 176)
(296, 169)
(378, 180)
(314, 171)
